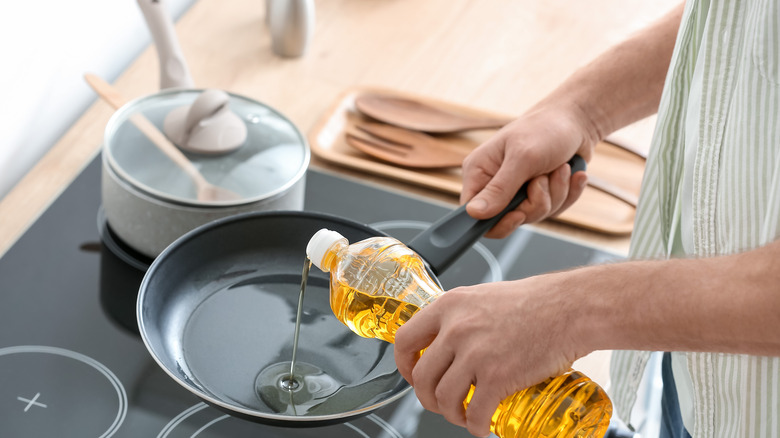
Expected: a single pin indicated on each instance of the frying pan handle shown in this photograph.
(445, 241)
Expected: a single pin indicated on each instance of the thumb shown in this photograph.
(495, 196)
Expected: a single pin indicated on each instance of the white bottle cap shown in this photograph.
(319, 244)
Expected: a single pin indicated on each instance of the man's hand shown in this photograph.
(534, 148)
(500, 337)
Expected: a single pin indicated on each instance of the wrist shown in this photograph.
(569, 118)
(628, 305)
(574, 305)
(573, 97)
(597, 316)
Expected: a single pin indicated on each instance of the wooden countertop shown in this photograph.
(500, 55)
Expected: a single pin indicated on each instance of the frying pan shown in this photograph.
(216, 310)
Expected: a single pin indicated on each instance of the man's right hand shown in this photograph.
(535, 148)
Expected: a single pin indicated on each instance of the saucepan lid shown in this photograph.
(274, 156)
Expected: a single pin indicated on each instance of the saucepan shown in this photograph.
(150, 200)
(185, 156)
(216, 310)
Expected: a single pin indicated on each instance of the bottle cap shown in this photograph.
(319, 244)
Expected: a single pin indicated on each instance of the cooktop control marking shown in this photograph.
(31, 403)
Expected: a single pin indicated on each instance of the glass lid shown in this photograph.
(273, 157)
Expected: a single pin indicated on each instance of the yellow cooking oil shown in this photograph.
(370, 316)
(378, 284)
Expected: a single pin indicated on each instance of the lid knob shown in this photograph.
(208, 126)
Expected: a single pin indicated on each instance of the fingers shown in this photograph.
(495, 196)
(480, 167)
(430, 375)
(548, 196)
(559, 186)
(507, 225)
(412, 338)
(577, 185)
(451, 392)
(475, 178)
(480, 411)
(442, 382)
(443, 385)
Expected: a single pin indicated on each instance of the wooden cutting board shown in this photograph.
(594, 210)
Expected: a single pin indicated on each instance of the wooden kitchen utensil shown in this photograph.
(418, 150)
(438, 118)
(421, 116)
(594, 210)
(403, 147)
(205, 190)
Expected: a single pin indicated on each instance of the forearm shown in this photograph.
(727, 304)
(624, 84)
(619, 87)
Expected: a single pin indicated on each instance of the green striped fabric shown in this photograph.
(735, 187)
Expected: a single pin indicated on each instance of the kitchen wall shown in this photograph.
(46, 47)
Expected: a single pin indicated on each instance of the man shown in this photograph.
(703, 281)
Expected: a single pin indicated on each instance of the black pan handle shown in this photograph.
(441, 244)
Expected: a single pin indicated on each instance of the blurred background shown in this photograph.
(47, 46)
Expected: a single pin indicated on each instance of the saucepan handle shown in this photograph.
(445, 241)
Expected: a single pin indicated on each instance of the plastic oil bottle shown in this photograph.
(377, 284)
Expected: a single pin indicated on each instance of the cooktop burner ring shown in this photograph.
(197, 419)
(32, 395)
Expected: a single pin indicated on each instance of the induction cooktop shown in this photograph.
(72, 364)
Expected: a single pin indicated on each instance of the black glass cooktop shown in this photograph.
(72, 366)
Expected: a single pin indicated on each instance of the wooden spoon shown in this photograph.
(206, 191)
(428, 117)
(418, 150)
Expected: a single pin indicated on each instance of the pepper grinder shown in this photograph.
(292, 25)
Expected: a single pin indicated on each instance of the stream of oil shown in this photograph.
(291, 383)
(292, 391)
(300, 388)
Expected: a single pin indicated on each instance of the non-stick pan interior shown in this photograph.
(217, 311)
